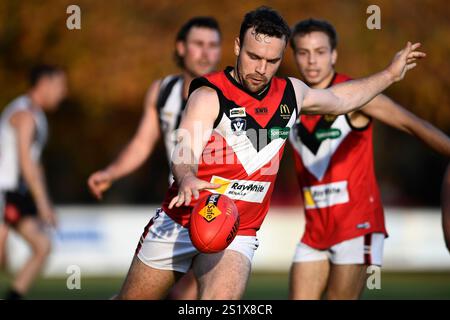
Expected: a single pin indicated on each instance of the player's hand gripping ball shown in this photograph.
(214, 223)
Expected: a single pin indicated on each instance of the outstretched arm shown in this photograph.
(194, 132)
(389, 112)
(352, 95)
(137, 150)
(25, 127)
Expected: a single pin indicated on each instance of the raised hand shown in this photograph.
(405, 60)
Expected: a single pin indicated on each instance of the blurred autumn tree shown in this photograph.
(124, 45)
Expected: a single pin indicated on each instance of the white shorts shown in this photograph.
(367, 249)
(166, 245)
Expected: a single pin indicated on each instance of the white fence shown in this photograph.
(102, 240)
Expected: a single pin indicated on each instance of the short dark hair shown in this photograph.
(265, 21)
(310, 25)
(43, 70)
(200, 22)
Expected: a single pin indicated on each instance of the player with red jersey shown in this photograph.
(238, 157)
(345, 227)
(230, 141)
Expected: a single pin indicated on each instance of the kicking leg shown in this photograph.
(222, 276)
(146, 283)
(185, 289)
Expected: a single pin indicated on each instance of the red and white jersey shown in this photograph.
(335, 170)
(245, 148)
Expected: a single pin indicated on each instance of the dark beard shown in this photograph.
(242, 82)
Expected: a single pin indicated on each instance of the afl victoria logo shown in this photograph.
(238, 126)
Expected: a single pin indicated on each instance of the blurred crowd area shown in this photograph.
(125, 45)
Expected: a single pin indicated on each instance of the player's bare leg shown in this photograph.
(3, 237)
(346, 281)
(185, 289)
(146, 283)
(222, 276)
(308, 280)
(29, 229)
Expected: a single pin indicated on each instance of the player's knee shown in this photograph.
(42, 247)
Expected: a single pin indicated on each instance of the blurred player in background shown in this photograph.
(345, 227)
(222, 109)
(27, 206)
(197, 53)
(445, 199)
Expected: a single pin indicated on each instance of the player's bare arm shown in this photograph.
(352, 95)
(136, 152)
(24, 125)
(201, 111)
(445, 200)
(386, 110)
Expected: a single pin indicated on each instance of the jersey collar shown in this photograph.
(257, 95)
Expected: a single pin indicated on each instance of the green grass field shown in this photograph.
(394, 285)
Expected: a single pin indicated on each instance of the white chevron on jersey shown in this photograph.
(169, 113)
(250, 158)
(318, 163)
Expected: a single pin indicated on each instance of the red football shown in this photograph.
(214, 223)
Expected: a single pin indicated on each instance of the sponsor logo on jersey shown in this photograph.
(328, 127)
(278, 133)
(244, 190)
(237, 112)
(364, 225)
(238, 126)
(285, 111)
(233, 231)
(331, 133)
(210, 211)
(261, 110)
(326, 195)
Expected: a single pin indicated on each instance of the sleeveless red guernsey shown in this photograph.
(245, 147)
(335, 170)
